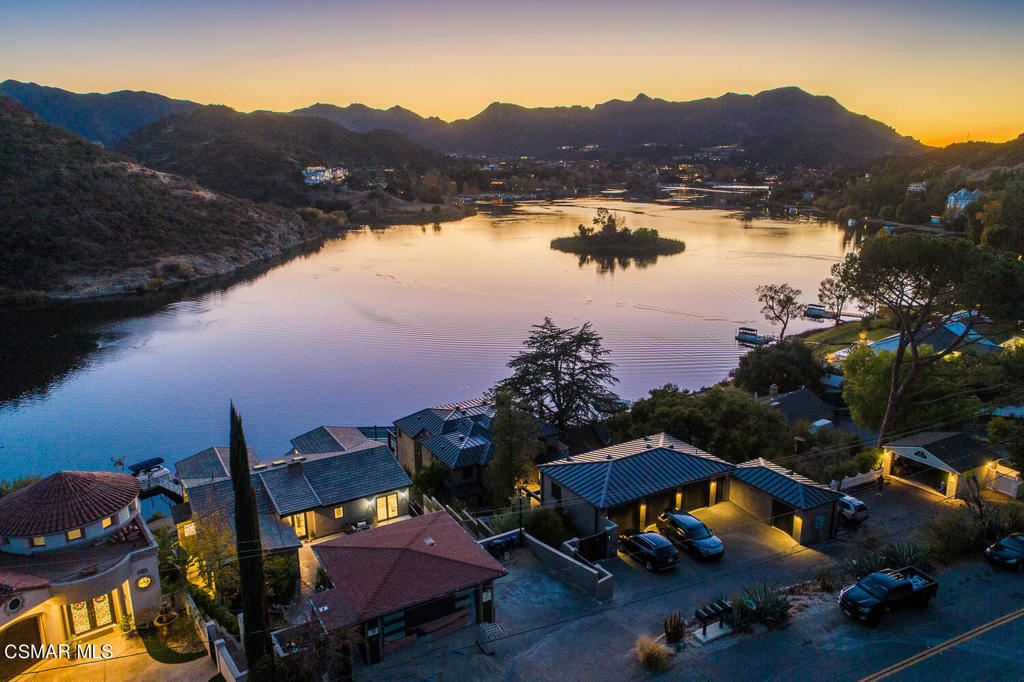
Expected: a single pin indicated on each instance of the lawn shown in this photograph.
(834, 338)
(178, 644)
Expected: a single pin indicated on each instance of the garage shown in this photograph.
(25, 631)
(939, 461)
(779, 497)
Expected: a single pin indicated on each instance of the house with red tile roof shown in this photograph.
(398, 582)
(76, 558)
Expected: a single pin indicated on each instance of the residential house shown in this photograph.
(76, 558)
(631, 483)
(800, 405)
(804, 509)
(943, 461)
(956, 202)
(418, 577)
(939, 335)
(457, 435)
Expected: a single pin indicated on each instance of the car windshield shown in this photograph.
(875, 586)
(699, 532)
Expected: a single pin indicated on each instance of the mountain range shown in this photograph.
(783, 127)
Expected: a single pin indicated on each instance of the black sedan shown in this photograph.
(1008, 552)
(654, 551)
(690, 533)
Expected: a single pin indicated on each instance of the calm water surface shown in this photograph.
(381, 323)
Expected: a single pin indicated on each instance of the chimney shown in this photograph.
(773, 391)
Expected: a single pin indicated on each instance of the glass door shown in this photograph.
(299, 524)
(90, 614)
(387, 507)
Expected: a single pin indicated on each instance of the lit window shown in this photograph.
(74, 534)
(189, 529)
(338, 512)
(39, 541)
(107, 521)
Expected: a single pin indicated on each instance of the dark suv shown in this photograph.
(651, 549)
(690, 533)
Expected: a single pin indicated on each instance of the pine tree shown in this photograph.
(250, 551)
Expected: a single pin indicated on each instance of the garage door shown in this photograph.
(696, 495)
(659, 503)
(23, 632)
(626, 516)
(782, 516)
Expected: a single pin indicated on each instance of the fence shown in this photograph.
(473, 525)
(1004, 480)
(858, 481)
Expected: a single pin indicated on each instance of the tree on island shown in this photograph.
(920, 280)
(562, 376)
(250, 556)
(516, 445)
(834, 291)
(780, 304)
(610, 238)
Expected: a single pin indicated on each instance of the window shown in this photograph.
(39, 541)
(189, 529)
(339, 512)
(556, 491)
(107, 521)
(387, 507)
(74, 534)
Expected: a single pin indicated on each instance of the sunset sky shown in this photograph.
(941, 71)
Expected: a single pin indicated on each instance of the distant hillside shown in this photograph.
(362, 119)
(261, 155)
(786, 126)
(79, 220)
(979, 155)
(103, 118)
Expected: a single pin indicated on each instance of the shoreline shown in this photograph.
(142, 281)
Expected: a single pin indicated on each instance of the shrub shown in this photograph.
(675, 628)
(828, 580)
(867, 563)
(282, 574)
(323, 581)
(771, 607)
(652, 654)
(214, 609)
(953, 536)
(900, 554)
(546, 525)
(741, 618)
(430, 479)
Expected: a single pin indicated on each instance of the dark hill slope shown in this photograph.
(104, 118)
(76, 219)
(362, 119)
(261, 155)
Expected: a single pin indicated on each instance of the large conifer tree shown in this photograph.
(250, 551)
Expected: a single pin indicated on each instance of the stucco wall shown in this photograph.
(581, 512)
(809, 534)
(405, 451)
(354, 511)
(751, 500)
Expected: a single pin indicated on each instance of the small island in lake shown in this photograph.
(610, 239)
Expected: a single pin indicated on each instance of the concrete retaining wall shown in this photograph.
(594, 580)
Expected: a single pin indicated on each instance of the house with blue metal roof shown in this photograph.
(782, 498)
(631, 483)
(457, 435)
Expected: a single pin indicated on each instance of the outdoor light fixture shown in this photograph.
(143, 582)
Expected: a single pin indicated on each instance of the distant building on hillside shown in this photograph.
(956, 202)
(322, 175)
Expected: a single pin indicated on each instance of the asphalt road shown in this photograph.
(825, 646)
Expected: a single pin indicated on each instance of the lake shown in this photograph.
(379, 323)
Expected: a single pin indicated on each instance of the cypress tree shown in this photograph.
(250, 551)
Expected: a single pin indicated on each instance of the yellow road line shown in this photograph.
(939, 648)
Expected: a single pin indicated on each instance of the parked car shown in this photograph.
(852, 509)
(690, 533)
(1008, 552)
(881, 592)
(653, 550)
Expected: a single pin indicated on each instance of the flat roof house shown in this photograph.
(940, 461)
(631, 483)
(421, 576)
(804, 509)
(799, 405)
(75, 558)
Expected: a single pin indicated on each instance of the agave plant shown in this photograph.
(828, 580)
(900, 554)
(868, 563)
(771, 607)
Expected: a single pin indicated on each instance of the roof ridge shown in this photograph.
(607, 478)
